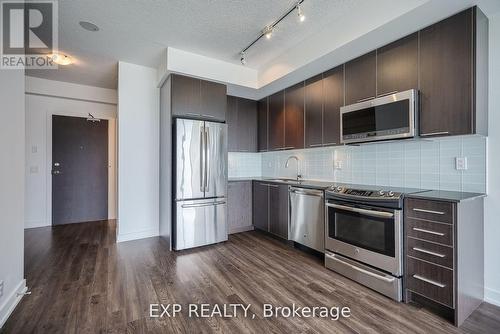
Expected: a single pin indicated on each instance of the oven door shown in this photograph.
(367, 234)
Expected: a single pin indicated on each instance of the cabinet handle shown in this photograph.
(366, 99)
(440, 285)
(315, 145)
(428, 231)
(326, 144)
(429, 211)
(434, 133)
(273, 185)
(428, 252)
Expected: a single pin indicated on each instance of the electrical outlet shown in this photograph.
(461, 163)
(1, 289)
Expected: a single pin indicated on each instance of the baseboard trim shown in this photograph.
(137, 235)
(36, 224)
(492, 296)
(10, 304)
(240, 229)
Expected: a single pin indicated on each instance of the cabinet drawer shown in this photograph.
(427, 251)
(430, 210)
(429, 280)
(435, 232)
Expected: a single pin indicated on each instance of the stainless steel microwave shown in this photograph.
(388, 117)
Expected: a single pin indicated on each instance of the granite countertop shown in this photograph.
(313, 184)
(450, 196)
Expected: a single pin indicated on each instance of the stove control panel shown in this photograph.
(365, 193)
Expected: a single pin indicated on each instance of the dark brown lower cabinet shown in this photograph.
(444, 255)
(260, 205)
(278, 210)
(239, 206)
(270, 208)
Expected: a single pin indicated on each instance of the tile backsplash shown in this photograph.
(426, 164)
(244, 164)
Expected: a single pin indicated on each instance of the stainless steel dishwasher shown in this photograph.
(307, 217)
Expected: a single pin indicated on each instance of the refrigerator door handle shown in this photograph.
(207, 158)
(185, 206)
(202, 159)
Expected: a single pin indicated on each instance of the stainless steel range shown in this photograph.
(364, 236)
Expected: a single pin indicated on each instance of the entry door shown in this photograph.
(79, 170)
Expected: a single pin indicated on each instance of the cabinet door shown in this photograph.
(294, 116)
(232, 124)
(314, 111)
(397, 66)
(260, 205)
(247, 125)
(185, 96)
(278, 210)
(239, 205)
(446, 67)
(277, 121)
(333, 97)
(360, 78)
(213, 100)
(262, 128)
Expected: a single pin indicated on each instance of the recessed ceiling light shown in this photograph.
(89, 26)
(61, 59)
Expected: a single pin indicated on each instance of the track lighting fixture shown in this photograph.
(242, 58)
(268, 30)
(301, 15)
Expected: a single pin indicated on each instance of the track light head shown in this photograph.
(301, 15)
(243, 59)
(268, 32)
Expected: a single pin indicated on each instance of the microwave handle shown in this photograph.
(379, 214)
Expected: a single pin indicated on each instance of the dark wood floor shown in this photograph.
(81, 281)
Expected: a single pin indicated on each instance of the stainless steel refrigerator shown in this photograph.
(200, 183)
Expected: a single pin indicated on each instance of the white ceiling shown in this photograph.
(137, 31)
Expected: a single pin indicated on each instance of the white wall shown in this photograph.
(492, 207)
(45, 98)
(11, 189)
(138, 152)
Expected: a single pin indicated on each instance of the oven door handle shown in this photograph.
(380, 214)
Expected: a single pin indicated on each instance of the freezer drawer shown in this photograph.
(199, 223)
(307, 218)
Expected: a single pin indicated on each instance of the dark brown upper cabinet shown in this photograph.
(232, 124)
(242, 124)
(397, 66)
(213, 98)
(333, 97)
(197, 98)
(263, 124)
(361, 78)
(276, 121)
(294, 116)
(453, 75)
(314, 111)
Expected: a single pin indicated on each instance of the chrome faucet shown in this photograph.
(296, 159)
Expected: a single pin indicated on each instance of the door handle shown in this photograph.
(202, 158)
(207, 158)
(380, 214)
(199, 205)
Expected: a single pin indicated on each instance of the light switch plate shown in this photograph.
(337, 164)
(34, 149)
(461, 163)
